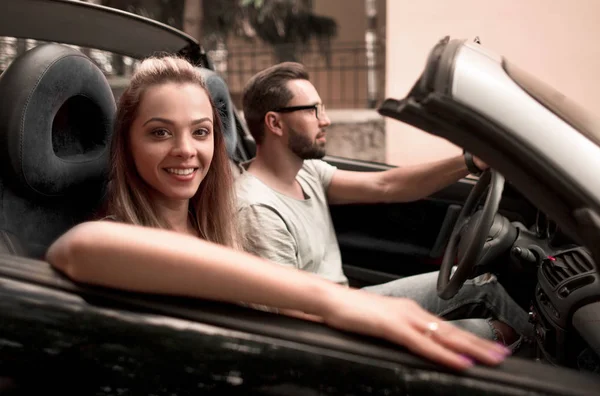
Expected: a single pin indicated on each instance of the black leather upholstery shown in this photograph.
(220, 95)
(56, 118)
(10, 244)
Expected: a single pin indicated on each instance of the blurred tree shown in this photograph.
(287, 25)
(169, 12)
(165, 11)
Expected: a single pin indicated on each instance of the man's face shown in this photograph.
(305, 132)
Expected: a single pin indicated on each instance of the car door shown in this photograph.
(382, 242)
(69, 338)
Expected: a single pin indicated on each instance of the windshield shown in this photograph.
(571, 112)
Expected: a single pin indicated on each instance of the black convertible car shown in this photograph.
(539, 232)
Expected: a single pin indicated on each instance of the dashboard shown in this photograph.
(547, 229)
(568, 287)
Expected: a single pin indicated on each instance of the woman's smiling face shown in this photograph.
(172, 140)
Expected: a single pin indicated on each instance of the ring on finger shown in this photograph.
(431, 329)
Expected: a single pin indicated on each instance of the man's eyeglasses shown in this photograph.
(319, 109)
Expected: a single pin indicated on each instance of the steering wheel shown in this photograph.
(470, 234)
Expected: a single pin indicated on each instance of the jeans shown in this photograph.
(477, 303)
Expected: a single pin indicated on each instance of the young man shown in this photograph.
(285, 191)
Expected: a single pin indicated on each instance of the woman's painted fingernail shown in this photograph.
(506, 351)
(497, 356)
(467, 360)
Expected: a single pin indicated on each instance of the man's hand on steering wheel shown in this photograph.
(479, 163)
(474, 164)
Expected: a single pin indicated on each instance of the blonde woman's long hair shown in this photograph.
(212, 207)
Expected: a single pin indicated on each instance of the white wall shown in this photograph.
(557, 40)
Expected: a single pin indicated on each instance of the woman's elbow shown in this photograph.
(67, 253)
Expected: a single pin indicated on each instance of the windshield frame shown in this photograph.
(562, 106)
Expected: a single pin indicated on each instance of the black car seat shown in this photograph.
(219, 93)
(56, 118)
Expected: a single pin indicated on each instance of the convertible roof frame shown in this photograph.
(94, 26)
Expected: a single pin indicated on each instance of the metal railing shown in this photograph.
(110, 64)
(340, 74)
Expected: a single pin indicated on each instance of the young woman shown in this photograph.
(170, 227)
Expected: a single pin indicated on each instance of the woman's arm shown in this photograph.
(158, 261)
(166, 262)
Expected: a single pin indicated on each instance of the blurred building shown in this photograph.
(340, 69)
(553, 40)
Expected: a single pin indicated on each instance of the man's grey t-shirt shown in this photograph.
(289, 231)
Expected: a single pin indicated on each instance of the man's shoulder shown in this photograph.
(317, 172)
(251, 191)
(313, 165)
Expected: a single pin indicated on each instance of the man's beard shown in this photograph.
(303, 147)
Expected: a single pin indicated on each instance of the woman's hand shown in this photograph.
(404, 322)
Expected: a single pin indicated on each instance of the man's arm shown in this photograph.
(403, 184)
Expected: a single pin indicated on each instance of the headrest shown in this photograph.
(220, 95)
(56, 118)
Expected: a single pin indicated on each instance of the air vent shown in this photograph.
(566, 265)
